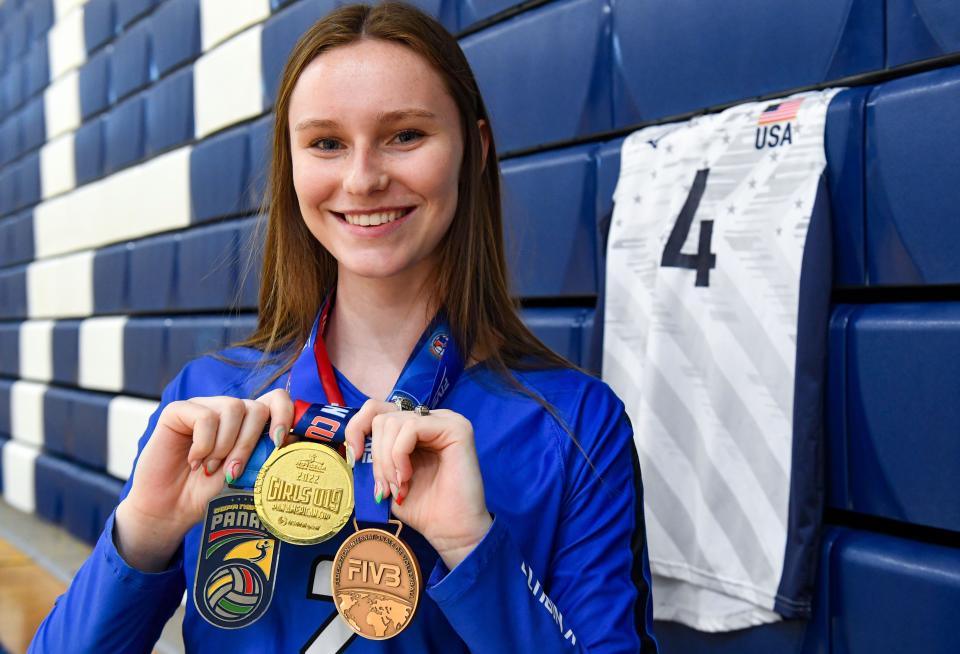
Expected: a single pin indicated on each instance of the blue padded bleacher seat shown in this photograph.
(88, 151)
(218, 173)
(152, 273)
(779, 638)
(99, 23)
(894, 444)
(144, 356)
(91, 498)
(557, 88)
(16, 238)
(249, 263)
(50, 479)
(550, 236)
(124, 134)
(111, 271)
(207, 268)
(169, 107)
(607, 157)
(8, 189)
(130, 65)
(28, 180)
(3, 442)
(280, 33)
(36, 68)
(190, 337)
(473, 11)
(238, 328)
(40, 19)
(668, 54)
(94, 83)
(176, 33)
(10, 349)
(562, 329)
(844, 143)
(16, 34)
(13, 293)
(9, 139)
(89, 415)
(893, 595)
(912, 190)
(5, 386)
(445, 11)
(13, 86)
(921, 29)
(608, 173)
(75, 425)
(34, 131)
(58, 427)
(130, 10)
(261, 146)
(66, 351)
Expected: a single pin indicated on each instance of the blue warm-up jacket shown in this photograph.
(562, 569)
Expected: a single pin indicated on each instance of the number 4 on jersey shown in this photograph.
(704, 259)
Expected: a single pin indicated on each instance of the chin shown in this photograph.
(378, 269)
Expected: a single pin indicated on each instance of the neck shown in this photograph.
(374, 326)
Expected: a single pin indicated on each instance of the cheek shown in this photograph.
(441, 179)
(310, 184)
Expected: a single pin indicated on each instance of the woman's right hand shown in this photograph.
(195, 445)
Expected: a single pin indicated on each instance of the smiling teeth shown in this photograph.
(373, 219)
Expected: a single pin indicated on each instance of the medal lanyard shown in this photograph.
(430, 372)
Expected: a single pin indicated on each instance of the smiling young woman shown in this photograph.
(516, 477)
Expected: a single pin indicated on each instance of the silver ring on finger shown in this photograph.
(403, 404)
(421, 410)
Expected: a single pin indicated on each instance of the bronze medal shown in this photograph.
(304, 493)
(376, 583)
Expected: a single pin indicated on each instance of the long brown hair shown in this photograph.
(470, 281)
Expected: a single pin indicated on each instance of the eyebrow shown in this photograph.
(382, 117)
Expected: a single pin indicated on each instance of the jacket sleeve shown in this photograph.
(595, 594)
(109, 606)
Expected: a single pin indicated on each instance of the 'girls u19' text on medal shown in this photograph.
(304, 493)
(375, 583)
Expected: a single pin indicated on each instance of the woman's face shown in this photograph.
(376, 150)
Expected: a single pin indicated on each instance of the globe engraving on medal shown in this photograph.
(375, 583)
(304, 493)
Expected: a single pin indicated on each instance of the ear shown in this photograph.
(484, 141)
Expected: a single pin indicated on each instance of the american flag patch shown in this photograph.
(781, 111)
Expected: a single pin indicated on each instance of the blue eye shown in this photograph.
(326, 144)
(408, 136)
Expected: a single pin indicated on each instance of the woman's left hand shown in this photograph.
(429, 465)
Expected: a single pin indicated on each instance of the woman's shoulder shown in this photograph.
(575, 394)
(235, 371)
(569, 387)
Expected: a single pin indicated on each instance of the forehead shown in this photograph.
(368, 77)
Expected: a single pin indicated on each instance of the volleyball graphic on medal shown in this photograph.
(236, 565)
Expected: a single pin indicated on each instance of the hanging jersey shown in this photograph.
(719, 242)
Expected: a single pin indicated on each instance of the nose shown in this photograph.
(365, 174)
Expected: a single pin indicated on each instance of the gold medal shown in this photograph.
(304, 493)
(376, 583)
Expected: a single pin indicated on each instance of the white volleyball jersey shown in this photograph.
(714, 221)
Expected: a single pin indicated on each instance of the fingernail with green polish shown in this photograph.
(379, 493)
(233, 472)
(351, 456)
(278, 434)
